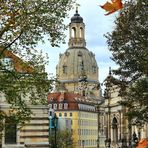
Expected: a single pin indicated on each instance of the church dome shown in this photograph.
(75, 62)
(76, 18)
(78, 64)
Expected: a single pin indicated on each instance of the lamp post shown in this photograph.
(55, 123)
(83, 142)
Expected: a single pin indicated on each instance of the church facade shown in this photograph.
(119, 131)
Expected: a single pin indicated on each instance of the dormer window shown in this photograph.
(54, 106)
(50, 106)
(61, 106)
(65, 105)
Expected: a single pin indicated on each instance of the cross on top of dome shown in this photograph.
(77, 18)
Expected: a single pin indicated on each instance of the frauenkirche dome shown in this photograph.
(77, 61)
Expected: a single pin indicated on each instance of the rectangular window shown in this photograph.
(70, 114)
(60, 114)
(10, 132)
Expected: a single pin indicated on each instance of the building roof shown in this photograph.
(76, 59)
(71, 98)
(76, 18)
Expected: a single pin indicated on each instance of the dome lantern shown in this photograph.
(76, 18)
(78, 64)
(76, 31)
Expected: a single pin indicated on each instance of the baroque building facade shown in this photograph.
(119, 131)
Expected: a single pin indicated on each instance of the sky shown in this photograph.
(96, 26)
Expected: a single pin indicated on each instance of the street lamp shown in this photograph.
(107, 143)
(83, 142)
(55, 123)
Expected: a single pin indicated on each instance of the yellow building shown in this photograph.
(81, 113)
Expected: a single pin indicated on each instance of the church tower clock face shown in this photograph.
(78, 63)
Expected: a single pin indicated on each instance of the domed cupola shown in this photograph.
(76, 31)
(76, 18)
(77, 61)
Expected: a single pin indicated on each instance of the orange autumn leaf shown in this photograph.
(143, 143)
(19, 65)
(113, 6)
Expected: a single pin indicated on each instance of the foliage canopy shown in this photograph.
(23, 23)
(129, 46)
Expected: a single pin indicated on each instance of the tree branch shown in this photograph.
(10, 44)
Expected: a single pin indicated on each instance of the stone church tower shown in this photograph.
(78, 64)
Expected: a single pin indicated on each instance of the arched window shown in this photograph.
(81, 33)
(115, 129)
(73, 32)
